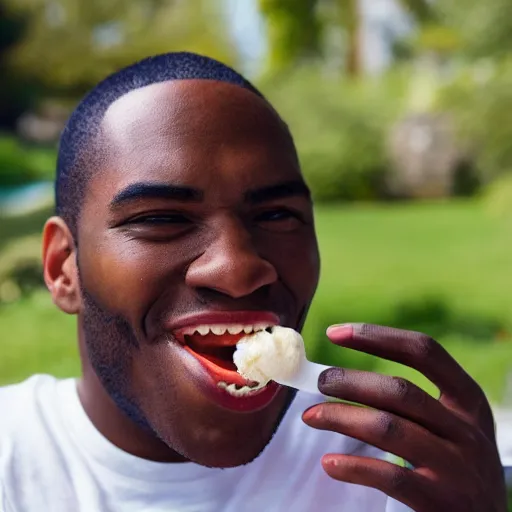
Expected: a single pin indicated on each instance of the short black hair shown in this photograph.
(73, 166)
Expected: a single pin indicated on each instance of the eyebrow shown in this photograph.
(141, 190)
(281, 191)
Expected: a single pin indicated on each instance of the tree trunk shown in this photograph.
(353, 23)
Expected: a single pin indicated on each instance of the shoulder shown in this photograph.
(30, 432)
(20, 402)
(26, 411)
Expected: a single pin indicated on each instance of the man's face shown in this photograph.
(196, 226)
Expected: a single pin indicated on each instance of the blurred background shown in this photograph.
(401, 111)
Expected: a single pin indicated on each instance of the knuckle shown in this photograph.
(465, 502)
(470, 438)
(426, 347)
(404, 389)
(364, 330)
(386, 426)
(481, 400)
(470, 387)
(326, 416)
(475, 400)
(399, 478)
(474, 440)
(332, 379)
(410, 394)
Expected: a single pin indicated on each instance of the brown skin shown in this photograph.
(148, 262)
(450, 442)
(224, 253)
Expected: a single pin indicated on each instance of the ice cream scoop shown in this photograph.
(277, 354)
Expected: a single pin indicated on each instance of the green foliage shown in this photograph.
(17, 93)
(440, 39)
(23, 226)
(480, 98)
(340, 130)
(421, 10)
(485, 27)
(461, 28)
(498, 197)
(13, 98)
(293, 29)
(36, 338)
(299, 30)
(101, 37)
(21, 269)
(20, 164)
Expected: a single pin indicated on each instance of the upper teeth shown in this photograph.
(220, 329)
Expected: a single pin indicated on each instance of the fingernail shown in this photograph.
(310, 414)
(340, 332)
(330, 460)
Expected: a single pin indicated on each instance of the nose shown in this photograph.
(231, 265)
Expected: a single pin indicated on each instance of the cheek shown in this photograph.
(131, 277)
(297, 262)
(123, 276)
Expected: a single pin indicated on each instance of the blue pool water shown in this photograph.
(25, 197)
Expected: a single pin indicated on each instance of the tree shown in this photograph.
(70, 45)
(13, 97)
(294, 31)
(485, 28)
(296, 28)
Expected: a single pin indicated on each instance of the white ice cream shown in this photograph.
(266, 356)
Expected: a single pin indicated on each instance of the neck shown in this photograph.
(115, 426)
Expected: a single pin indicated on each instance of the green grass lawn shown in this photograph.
(440, 268)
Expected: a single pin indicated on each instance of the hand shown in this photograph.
(450, 441)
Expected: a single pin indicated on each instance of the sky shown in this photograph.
(249, 32)
(382, 17)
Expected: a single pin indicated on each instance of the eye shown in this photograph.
(158, 226)
(279, 219)
(160, 219)
(281, 214)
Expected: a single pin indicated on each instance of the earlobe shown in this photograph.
(59, 265)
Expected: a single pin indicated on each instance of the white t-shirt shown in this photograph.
(53, 459)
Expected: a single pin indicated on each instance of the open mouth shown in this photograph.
(213, 346)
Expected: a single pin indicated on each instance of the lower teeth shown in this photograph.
(235, 390)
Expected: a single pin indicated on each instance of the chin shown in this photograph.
(227, 445)
(202, 430)
(227, 458)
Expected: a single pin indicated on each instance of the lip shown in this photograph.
(207, 376)
(207, 381)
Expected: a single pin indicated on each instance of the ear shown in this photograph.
(59, 266)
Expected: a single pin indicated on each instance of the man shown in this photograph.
(183, 222)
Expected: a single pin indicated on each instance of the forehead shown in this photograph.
(195, 132)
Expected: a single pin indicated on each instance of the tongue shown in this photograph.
(221, 363)
(217, 349)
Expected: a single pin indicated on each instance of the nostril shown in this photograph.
(236, 275)
(210, 294)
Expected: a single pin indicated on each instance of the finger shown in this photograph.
(395, 395)
(388, 432)
(459, 391)
(409, 487)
